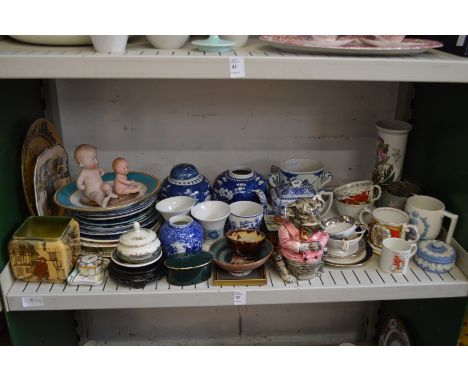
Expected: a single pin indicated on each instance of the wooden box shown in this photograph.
(45, 248)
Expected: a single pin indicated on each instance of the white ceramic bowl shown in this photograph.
(110, 43)
(176, 205)
(348, 246)
(168, 42)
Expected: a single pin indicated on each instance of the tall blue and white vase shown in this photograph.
(181, 234)
(238, 184)
(184, 180)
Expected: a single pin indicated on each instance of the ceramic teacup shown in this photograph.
(246, 215)
(348, 245)
(428, 213)
(212, 215)
(352, 210)
(176, 205)
(341, 227)
(387, 222)
(303, 169)
(361, 192)
(396, 255)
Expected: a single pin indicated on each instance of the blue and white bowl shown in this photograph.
(184, 180)
(238, 183)
(181, 234)
(245, 215)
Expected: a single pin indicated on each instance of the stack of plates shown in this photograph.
(136, 275)
(101, 227)
(346, 259)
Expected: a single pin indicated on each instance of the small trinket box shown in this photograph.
(435, 256)
(90, 265)
(45, 248)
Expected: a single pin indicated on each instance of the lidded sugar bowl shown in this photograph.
(184, 180)
(138, 245)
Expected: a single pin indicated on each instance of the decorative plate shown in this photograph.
(111, 237)
(50, 173)
(408, 46)
(113, 230)
(125, 213)
(364, 256)
(41, 136)
(71, 198)
(394, 333)
(117, 260)
(112, 224)
(225, 258)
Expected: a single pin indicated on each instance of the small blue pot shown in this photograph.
(181, 234)
(184, 180)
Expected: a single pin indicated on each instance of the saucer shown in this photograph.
(119, 261)
(235, 265)
(361, 258)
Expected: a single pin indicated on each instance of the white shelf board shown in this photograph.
(366, 283)
(19, 60)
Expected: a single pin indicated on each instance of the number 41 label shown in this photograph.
(237, 67)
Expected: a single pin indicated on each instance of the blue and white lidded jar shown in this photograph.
(181, 234)
(184, 180)
(237, 184)
(435, 256)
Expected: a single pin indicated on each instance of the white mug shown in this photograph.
(428, 213)
(396, 255)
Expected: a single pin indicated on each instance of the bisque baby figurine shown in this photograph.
(90, 179)
(123, 186)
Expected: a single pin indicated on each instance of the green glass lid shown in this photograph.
(183, 261)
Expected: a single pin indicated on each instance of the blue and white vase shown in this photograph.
(184, 180)
(181, 234)
(237, 184)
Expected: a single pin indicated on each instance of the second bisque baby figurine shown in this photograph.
(123, 186)
(90, 179)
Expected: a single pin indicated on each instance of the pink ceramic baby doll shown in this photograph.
(123, 186)
(90, 181)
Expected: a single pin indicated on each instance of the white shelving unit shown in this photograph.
(331, 118)
(18, 60)
(367, 283)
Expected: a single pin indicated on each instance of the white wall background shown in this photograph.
(216, 124)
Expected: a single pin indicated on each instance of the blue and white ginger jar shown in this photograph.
(184, 180)
(181, 234)
(237, 184)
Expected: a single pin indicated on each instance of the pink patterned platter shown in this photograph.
(351, 45)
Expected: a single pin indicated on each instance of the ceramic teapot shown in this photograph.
(284, 194)
(139, 244)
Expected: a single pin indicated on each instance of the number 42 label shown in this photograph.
(237, 67)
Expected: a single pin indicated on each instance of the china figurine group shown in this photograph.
(90, 179)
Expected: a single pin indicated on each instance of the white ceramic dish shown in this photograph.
(152, 260)
(167, 41)
(175, 205)
(110, 43)
(54, 39)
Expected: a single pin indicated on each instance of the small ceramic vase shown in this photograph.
(181, 234)
(184, 180)
(390, 151)
(245, 214)
(238, 183)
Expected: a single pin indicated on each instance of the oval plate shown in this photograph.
(71, 198)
